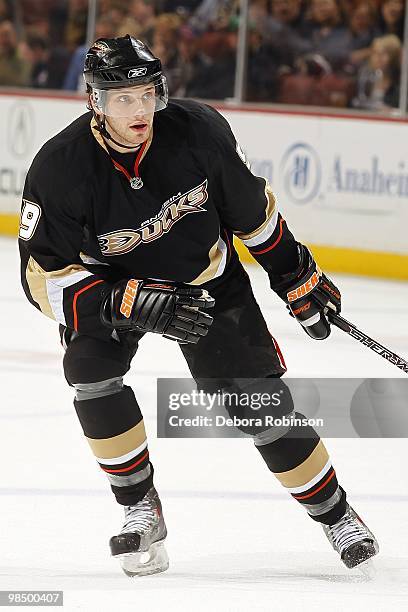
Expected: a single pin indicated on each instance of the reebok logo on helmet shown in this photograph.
(137, 72)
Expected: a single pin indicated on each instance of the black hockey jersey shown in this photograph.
(83, 225)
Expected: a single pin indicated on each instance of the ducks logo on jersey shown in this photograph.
(122, 241)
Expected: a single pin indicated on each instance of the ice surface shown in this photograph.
(236, 540)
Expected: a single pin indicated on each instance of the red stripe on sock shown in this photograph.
(299, 497)
(127, 469)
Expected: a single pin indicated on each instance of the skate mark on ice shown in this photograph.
(267, 568)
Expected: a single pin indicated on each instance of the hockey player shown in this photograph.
(127, 223)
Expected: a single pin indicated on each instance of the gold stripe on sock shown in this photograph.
(119, 445)
(307, 470)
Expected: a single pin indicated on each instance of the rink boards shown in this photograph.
(341, 181)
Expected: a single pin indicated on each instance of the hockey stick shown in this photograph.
(375, 346)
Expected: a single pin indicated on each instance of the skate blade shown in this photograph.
(366, 552)
(367, 569)
(153, 561)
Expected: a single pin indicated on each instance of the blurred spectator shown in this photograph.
(35, 13)
(190, 62)
(181, 7)
(281, 31)
(140, 21)
(288, 12)
(216, 79)
(263, 71)
(47, 65)
(36, 52)
(213, 14)
(47, 18)
(75, 31)
(313, 65)
(104, 6)
(167, 27)
(14, 71)
(392, 17)
(315, 84)
(299, 51)
(116, 10)
(327, 32)
(363, 20)
(5, 10)
(273, 46)
(165, 39)
(73, 80)
(378, 80)
(258, 13)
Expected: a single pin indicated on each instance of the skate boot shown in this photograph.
(140, 544)
(352, 539)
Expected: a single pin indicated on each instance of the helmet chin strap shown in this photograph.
(101, 127)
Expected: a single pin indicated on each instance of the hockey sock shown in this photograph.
(303, 467)
(113, 425)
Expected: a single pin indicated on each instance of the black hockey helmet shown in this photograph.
(115, 63)
(120, 62)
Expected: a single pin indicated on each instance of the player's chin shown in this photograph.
(137, 136)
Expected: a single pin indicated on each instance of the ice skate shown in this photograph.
(140, 544)
(352, 539)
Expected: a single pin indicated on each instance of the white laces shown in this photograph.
(140, 517)
(348, 530)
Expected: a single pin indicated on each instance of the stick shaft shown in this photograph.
(375, 346)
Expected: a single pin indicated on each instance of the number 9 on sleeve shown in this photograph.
(30, 216)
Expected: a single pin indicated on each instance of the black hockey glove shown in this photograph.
(148, 306)
(309, 295)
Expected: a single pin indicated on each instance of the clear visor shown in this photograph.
(133, 100)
